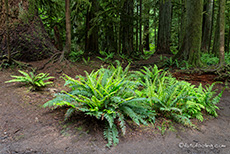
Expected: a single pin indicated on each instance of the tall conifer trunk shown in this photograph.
(190, 48)
(194, 31)
(127, 27)
(91, 36)
(164, 29)
(207, 25)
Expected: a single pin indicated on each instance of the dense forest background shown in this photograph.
(129, 29)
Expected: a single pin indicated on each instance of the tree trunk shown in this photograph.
(28, 38)
(207, 22)
(140, 29)
(194, 31)
(68, 27)
(211, 33)
(91, 38)
(146, 29)
(155, 26)
(228, 41)
(137, 29)
(182, 25)
(127, 27)
(7, 31)
(222, 31)
(164, 29)
(218, 45)
(190, 48)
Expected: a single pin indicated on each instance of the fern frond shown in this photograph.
(69, 113)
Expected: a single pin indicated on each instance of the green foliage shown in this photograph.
(106, 94)
(86, 61)
(209, 98)
(35, 81)
(125, 57)
(211, 59)
(107, 56)
(115, 94)
(178, 100)
(75, 56)
(169, 62)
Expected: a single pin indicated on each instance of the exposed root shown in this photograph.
(53, 59)
(56, 58)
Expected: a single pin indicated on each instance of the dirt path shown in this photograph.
(27, 128)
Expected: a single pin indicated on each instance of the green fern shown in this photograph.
(35, 81)
(106, 94)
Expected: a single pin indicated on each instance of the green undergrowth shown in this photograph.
(114, 95)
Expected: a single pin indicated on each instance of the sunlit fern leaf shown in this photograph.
(121, 122)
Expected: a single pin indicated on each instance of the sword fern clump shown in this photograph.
(34, 81)
(106, 94)
(178, 100)
(114, 95)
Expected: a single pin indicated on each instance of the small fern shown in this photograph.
(35, 81)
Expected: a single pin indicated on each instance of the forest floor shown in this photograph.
(27, 128)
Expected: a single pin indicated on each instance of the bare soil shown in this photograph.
(27, 128)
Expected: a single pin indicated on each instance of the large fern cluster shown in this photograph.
(106, 94)
(115, 94)
(175, 99)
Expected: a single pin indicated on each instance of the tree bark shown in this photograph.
(194, 31)
(190, 48)
(164, 29)
(146, 30)
(91, 38)
(127, 27)
(7, 31)
(68, 27)
(222, 31)
(207, 22)
(140, 29)
(218, 45)
(182, 25)
(212, 25)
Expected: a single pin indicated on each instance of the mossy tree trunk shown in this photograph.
(190, 48)
(164, 30)
(182, 29)
(194, 31)
(207, 25)
(218, 45)
(28, 38)
(222, 31)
